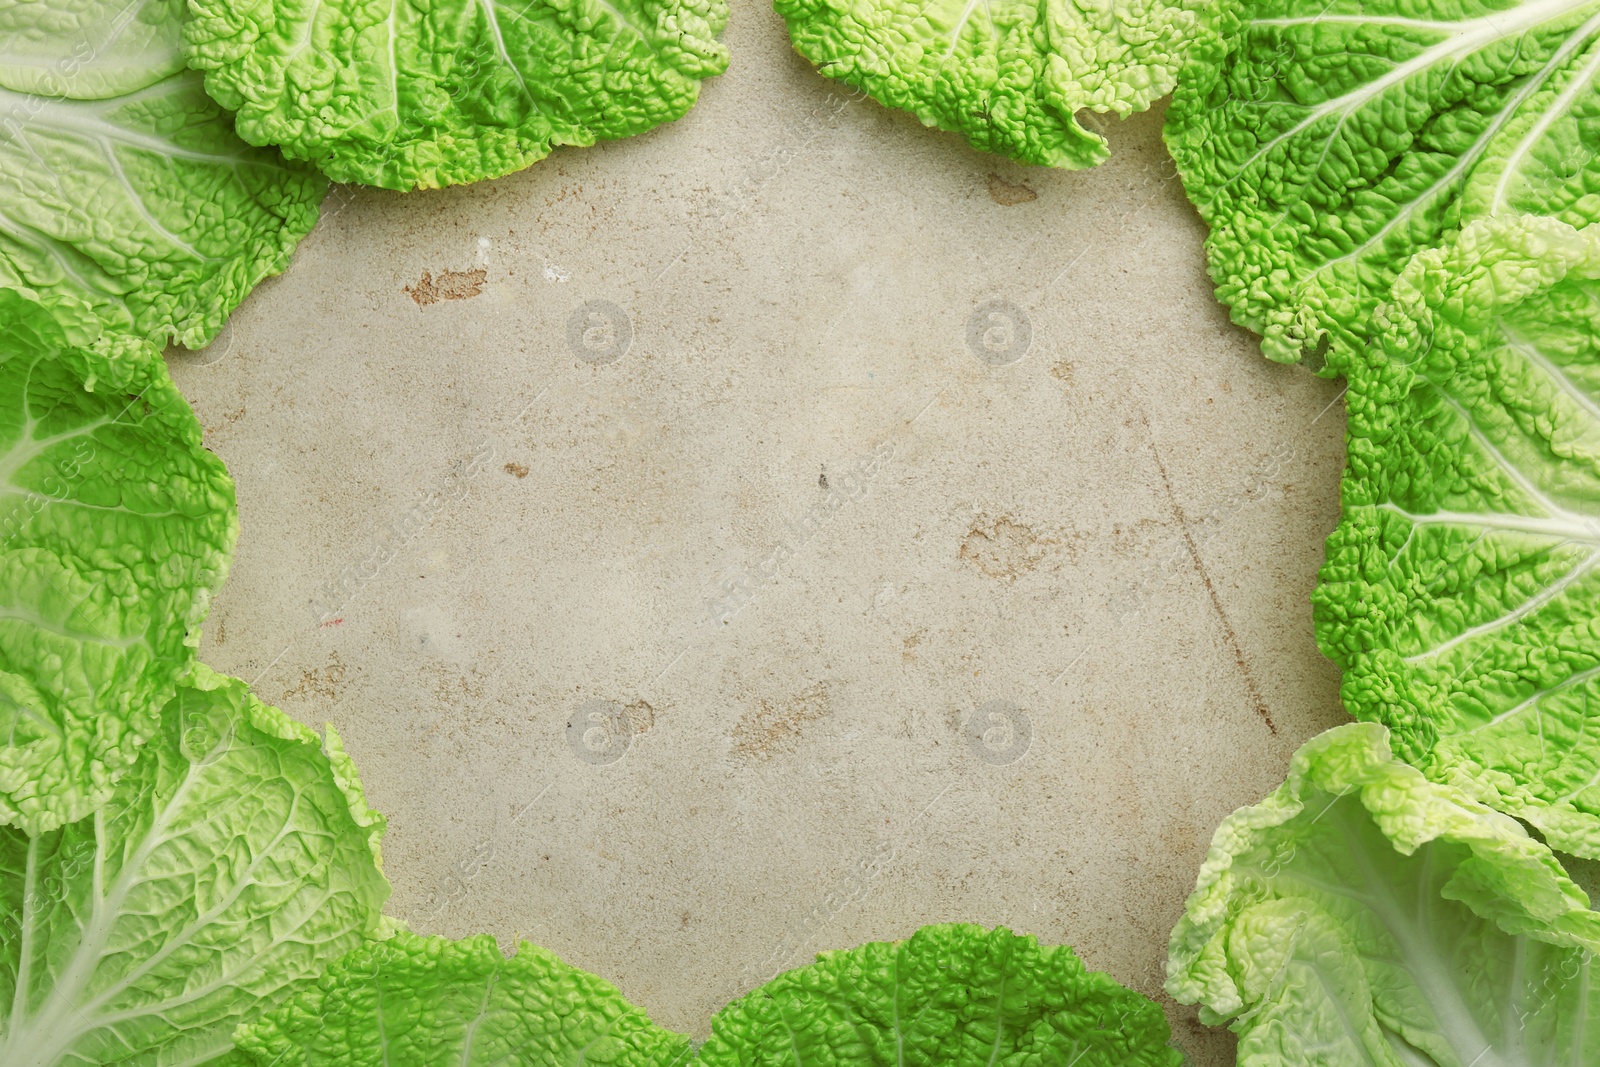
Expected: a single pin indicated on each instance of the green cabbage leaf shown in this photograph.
(1326, 143)
(1008, 75)
(231, 866)
(427, 1000)
(954, 995)
(116, 528)
(88, 49)
(1461, 590)
(949, 995)
(122, 185)
(1362, 915)
(406, 95)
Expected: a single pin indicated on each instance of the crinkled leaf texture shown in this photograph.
(1362, 915)
(1461, 591)
(412, 1001)
(232, 865)
(88, 49)
(116, 527)
(1326, 143)
(950, 996)
(1008, 75)
(122, 185)
(411, 94)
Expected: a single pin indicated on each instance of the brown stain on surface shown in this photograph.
(326, 682)
(1005, 550)
(454, 688)
(449, 285)
(641, 717)
(1009, 194)
(773, 727)
(228, 419)
(1257, 700)
(519, 469)
(1128, 538)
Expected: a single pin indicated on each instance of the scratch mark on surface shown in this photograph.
(1232, 638)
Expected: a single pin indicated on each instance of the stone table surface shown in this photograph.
(777, 532)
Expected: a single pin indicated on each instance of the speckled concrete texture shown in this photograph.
(778, 532)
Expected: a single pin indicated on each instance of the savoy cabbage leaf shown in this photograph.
(88, 49)
(1326, 143)
(122, 184)
(1008, 75)
(235, 862)
(116, 528)
(406, 95)
(412, 1001)
(1362, 915)
(1461, 590)
(950, 996)
(953, 996)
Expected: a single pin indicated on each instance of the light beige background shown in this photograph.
(458, 535)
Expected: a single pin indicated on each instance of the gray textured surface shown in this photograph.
(458, 535)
